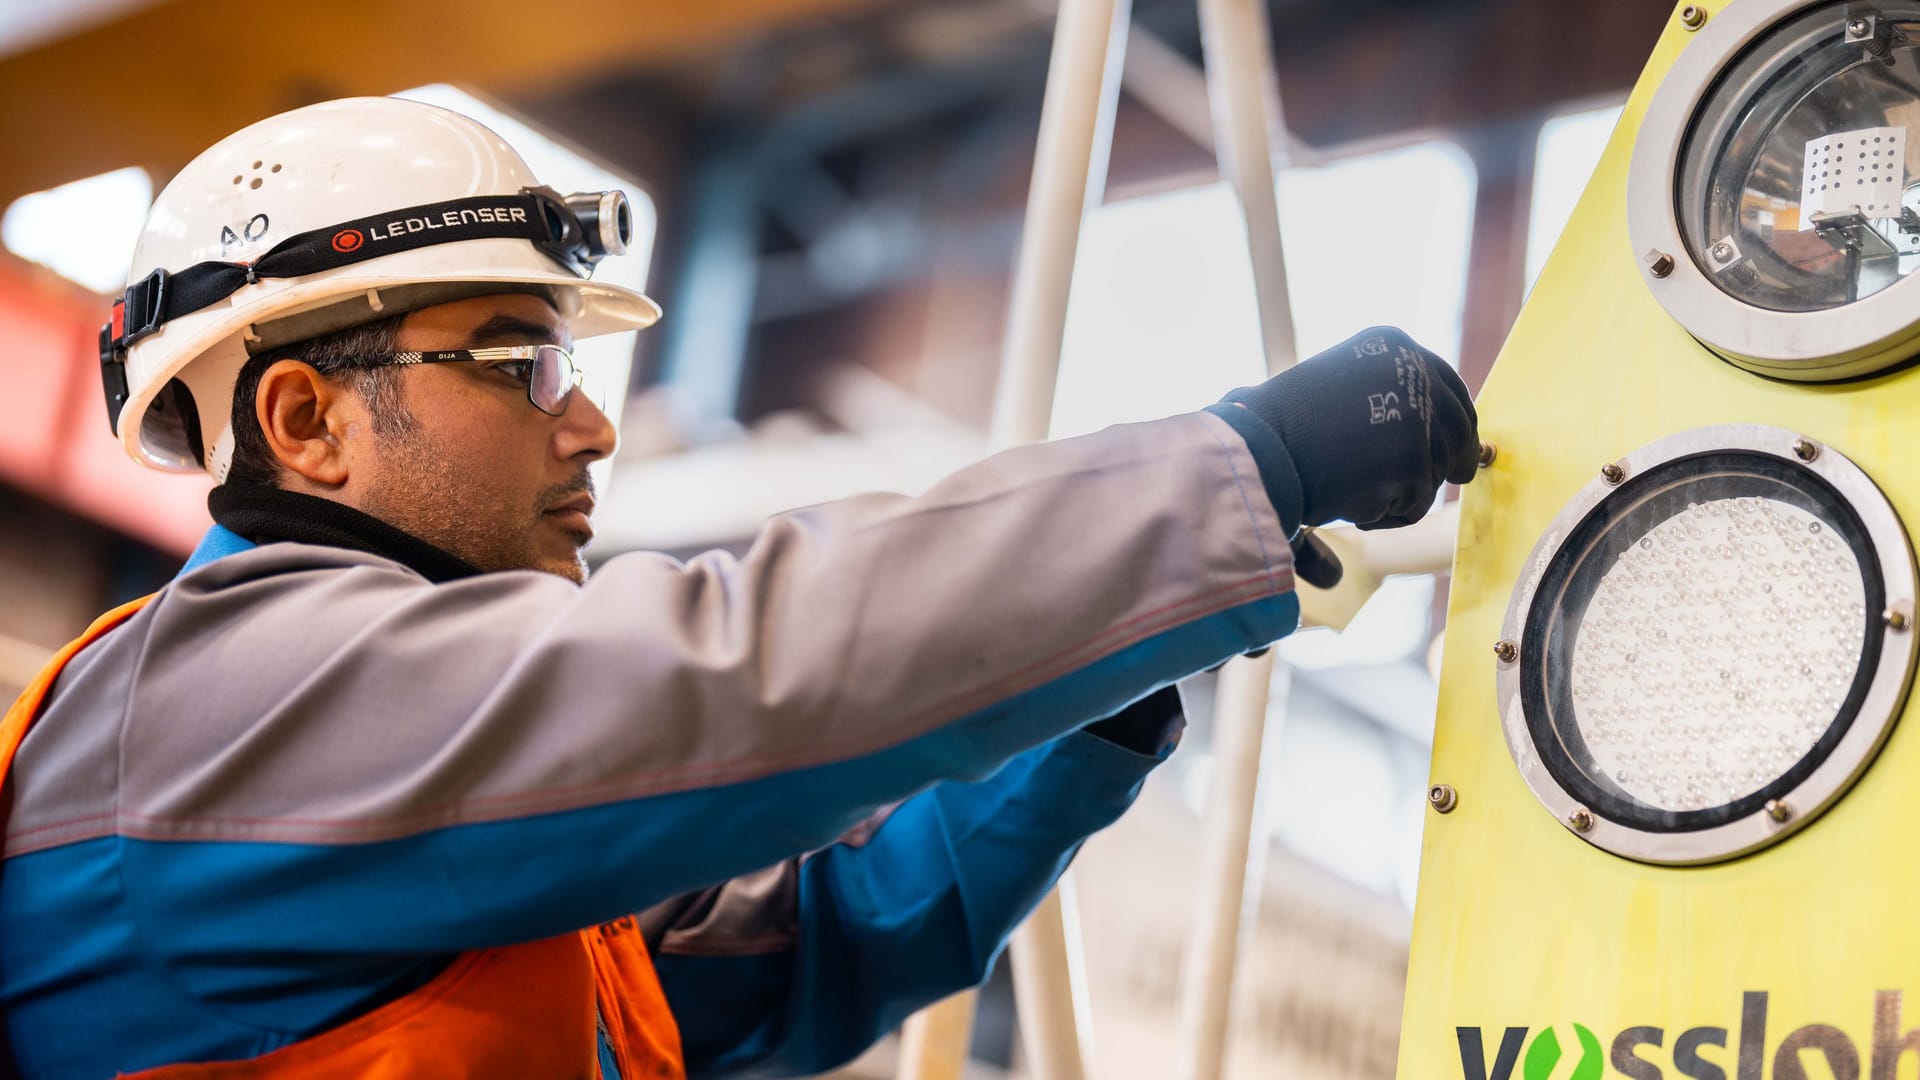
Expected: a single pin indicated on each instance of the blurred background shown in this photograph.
(830, 193)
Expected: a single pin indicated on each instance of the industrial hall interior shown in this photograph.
(959, 539)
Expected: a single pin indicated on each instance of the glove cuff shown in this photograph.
(1277, 472)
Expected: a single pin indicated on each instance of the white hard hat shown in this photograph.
(322, 218)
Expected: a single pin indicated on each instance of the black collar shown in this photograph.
(265, 514)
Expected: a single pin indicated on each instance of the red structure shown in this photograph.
(54, 441)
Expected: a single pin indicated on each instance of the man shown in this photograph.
(378, 785)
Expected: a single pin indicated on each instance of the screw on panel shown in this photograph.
(1659, 263)
(1721, 251)
(1443, 798)
(1506, 651)
(1897, 618)
(1871, 32)
(1488, 452)
(1693, 16)
(1805, 449)
(1778, 810)
(1580, 820)
(1612, 472)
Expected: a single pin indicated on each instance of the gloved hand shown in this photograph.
(1374, 426)
(1150, 726)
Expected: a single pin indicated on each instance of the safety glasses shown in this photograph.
(548, 371)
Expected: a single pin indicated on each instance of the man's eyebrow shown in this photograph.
(514, 330)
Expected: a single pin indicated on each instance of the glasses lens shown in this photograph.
(552, 379)
(594, 387)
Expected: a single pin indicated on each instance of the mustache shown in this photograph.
(581, 484)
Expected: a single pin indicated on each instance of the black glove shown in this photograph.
(1374, 427)
(1314, 562)
(1147, 726)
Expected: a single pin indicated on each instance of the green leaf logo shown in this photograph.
(1544, 1054)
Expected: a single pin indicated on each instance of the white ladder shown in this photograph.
(1069, 177)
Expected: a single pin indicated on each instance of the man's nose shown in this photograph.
(584, 431)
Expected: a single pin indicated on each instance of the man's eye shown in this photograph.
(520, 371)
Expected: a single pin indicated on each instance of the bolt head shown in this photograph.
(1580, 820)
(1443, 798)
(1506, 651)
(1488, 452)
(1778, 810)
(1659, 263)
(1612, 473)
(1857, 26)
(1693, 16)
(1897, 619)
(1721, 251)
(1805, 449)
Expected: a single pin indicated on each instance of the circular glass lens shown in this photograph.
(1707, 641)
(552, 379)
(1798, 187)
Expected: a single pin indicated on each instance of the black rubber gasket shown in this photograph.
(1591, 549)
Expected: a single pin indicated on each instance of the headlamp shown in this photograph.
(606, 220)
(584, 227)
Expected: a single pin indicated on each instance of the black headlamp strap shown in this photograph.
(536, 215)
(162, 297)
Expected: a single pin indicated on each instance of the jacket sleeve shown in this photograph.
(323, 755)
(798, 969)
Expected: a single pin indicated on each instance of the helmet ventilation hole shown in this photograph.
(257, 181)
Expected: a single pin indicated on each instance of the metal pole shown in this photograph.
(933, 1043)
(1246, 115)
(1238, 58)
(1069, 176)
(1050, 985)
(1230, 860)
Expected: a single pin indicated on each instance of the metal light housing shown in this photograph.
(1709, 644)
(1771, 209)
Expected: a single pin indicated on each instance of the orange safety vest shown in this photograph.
(527, 1010)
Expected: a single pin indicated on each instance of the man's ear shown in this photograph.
(305, 416)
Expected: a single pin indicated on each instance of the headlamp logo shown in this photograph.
(347, 241)
(1643, 1052)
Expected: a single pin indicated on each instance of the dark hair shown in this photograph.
(344, 354)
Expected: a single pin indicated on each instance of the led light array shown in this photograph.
(1716, 651)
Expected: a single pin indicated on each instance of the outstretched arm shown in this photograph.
(799, 968)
